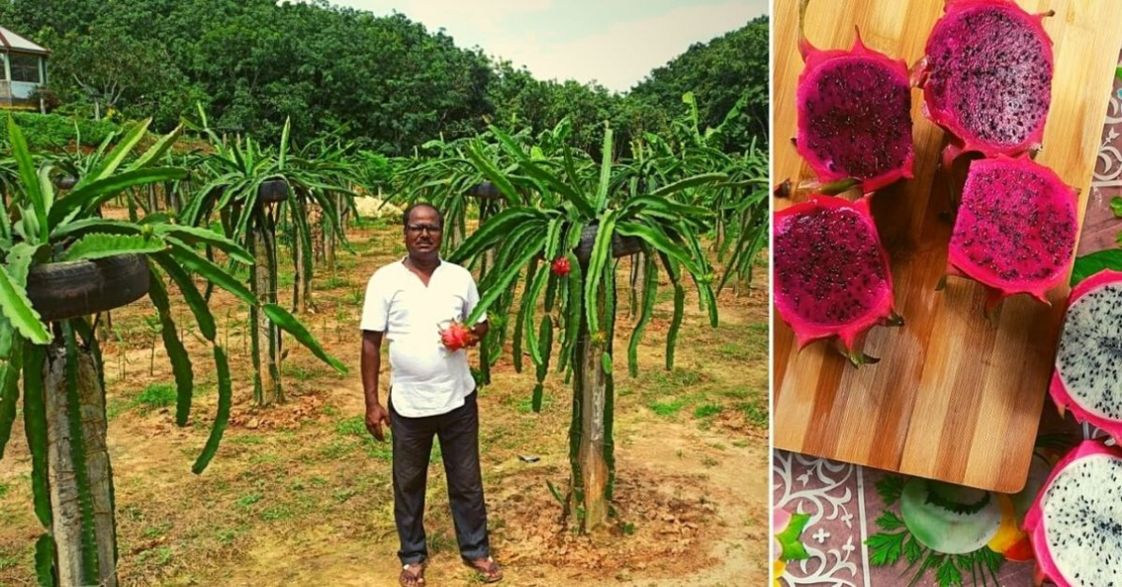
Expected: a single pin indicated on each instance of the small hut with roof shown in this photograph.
(25, 71)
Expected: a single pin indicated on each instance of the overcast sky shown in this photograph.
(614, 42)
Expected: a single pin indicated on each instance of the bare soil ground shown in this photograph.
(300, 495)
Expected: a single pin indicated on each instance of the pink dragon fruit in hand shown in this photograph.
(1076, 521)
(854, 115)
(831, 273)
(1015, 230)
(1089, 360)
(987, 77)
(456, 336)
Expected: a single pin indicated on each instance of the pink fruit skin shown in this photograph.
(779, 519)
(1034, 519)
(455, 336)
(958, 260)
(807, 332)
(962, 138)
(1057, 388)
(815, 59)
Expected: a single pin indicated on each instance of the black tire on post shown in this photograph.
(66, 182)
(272, 191)
(622, 246)
(79, 288)
(485, 190)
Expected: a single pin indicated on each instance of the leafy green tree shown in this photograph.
(721, 73)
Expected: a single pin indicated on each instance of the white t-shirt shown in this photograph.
(426, 378)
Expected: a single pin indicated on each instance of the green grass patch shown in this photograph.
(336, 449)
(733, 350)
(159, 556)
(301, 373)
(115, 407)
(275, 513)
(336, 281)
(247, 500)
(247, 439)
(667, 409)
(286, 279)
(526, 404)
(267, 458)
(343, 494)
(157, 530)
(353, 426)
(662, 382)
(706, 410)
(740, 393)
(226, 535)
(382, 450)
(156, 396)
(755, 412)
(4, 490)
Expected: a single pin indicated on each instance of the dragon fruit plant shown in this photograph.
(63, 262)
(1015, 230)
(831, 274)
(589, 216)
(1076, 521)
(854, 114)
(987, 77)
(232, 176)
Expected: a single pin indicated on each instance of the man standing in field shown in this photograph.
(431, 391)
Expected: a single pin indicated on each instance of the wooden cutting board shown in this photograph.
(956, 397)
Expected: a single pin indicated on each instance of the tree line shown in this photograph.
(385, 82)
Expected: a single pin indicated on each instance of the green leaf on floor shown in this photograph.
(789, 541)
(1088, 265)
(948, 574)
(885, 549)
(890, 488)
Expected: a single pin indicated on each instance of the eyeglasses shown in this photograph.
(419, 228)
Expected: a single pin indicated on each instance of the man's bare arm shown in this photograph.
(376, 415)
(479, 331)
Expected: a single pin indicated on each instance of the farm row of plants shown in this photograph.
(544, 224)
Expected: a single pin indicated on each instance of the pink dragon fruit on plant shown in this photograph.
(1015, 230)
(854, 115)
(1076, 521)
(1089, 360)
(987, 77)
(831, 273)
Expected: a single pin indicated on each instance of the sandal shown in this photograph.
(411, 579)
(489, 570)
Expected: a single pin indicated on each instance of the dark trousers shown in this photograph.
(458, 432)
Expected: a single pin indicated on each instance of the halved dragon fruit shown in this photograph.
(1015, 230)
(854, 115)
(987, 77)
(1087, 378)
(1076, 520)
(831, 273)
